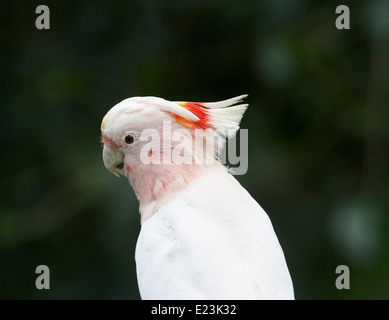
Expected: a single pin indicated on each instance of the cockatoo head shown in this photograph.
(128, 125)
(159, 144)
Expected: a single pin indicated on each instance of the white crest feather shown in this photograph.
(170, 107)
(226, 117)
(224, 103)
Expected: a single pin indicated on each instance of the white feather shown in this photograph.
(227, 120)
(212, 241)
(224, 103)
(170, 107)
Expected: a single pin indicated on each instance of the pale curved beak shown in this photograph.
(113, 160)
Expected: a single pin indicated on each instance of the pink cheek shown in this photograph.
(128, 169)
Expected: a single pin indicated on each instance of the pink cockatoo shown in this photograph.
(202, 236)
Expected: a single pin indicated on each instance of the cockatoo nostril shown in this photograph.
(120, 165)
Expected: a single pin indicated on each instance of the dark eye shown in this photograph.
(120, 165)
(129, 139)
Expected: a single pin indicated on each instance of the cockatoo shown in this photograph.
(202, 234)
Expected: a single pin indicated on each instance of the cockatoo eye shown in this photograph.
(129, 139)
(120, 165)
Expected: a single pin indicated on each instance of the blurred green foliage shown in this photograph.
(318, 133)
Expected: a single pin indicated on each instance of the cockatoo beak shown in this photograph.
(113, 160)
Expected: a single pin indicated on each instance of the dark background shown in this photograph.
(317, 121)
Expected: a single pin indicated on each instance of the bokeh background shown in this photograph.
(317, 121)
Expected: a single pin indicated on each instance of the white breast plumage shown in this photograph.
(196, 247)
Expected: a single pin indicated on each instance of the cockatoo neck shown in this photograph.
(155, 184)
